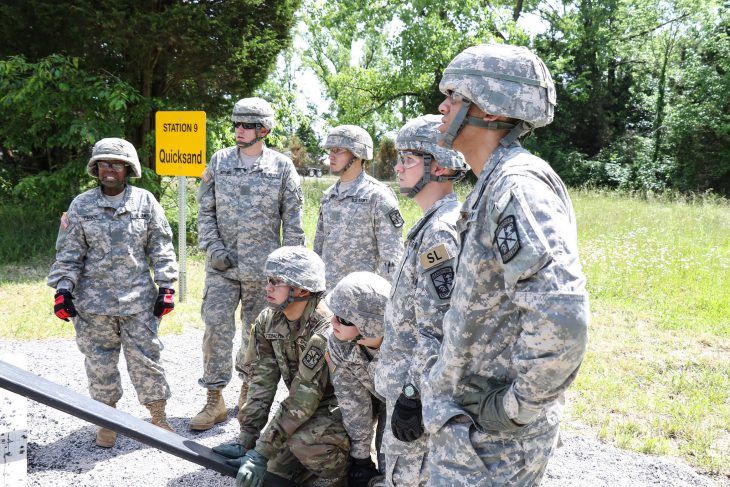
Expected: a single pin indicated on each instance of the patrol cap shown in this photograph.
(353, 138)
(298, 267)
(503, 80)
(421, 134)
(116, 149)
(254, 110)
(360, 298)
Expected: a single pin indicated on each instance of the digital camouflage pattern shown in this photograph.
(116, 149)
(503, 80)
(298, 267)
(419, 298)
(359, 229)
(360, 298)
(254, 110)
(519, 314)
(248, 213)
(103, 256)
(420, 134)
(353, 138)
(306, 436)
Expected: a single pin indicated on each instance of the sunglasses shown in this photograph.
(410, 158)
(344, 321)
(246, 125)
(275, 282)
(116, 166)
(337, 150)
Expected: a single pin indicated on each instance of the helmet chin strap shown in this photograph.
(243, 145)
(347, 166)
(461, 119)
(428, 177)
(291, 299)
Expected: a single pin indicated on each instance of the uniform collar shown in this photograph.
(352, 189)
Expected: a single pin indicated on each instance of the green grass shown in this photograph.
(656, 377)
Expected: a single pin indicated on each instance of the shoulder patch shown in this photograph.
(435, 256)
(207, 175)
(443, 281)
(395, 218)
(65, 222)
(507, 238)
(330, 362)
(312, 357)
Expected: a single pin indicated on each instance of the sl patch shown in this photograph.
(435, 256)
(395, 218)
(65, 221)
(330, 362)
(443, 281)
(312, 358)
(507, 238)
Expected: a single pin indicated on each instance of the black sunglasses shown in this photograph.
(344, 321)
(246, 125)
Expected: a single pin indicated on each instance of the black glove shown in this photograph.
(64, 307)
(361, 471)
(406, 421)
(165, 302)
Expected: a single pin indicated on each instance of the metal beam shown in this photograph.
(56, 396)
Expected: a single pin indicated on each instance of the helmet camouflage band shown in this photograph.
(298, 267)
(421, 134)
(502, 80)
(114, 149)
(254, 110)
(360, 298)
(353, 138)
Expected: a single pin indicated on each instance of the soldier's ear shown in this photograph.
(263, 132)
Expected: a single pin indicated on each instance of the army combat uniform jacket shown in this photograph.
(104, 254)
(359, 229)
(297, 356)
(250, 212)
(519, 315)
(352, 367)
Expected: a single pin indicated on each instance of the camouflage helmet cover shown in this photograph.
(503, 80)
(253, 110)
(353, 138)
(421, 134)
(360, 298)
(298, 267)
(116, 149)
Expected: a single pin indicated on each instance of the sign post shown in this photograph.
(180, 151)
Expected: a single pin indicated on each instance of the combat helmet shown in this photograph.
(502, 80)
(353, 138)
(253, 110)
(421, 134)
(360, 298)
(299, 267)
(116, 149)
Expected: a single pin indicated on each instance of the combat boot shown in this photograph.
(159, 416)
(213, 412)
(105, 438)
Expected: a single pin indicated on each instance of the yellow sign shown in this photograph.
(180, 143)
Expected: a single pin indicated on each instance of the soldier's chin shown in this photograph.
(337, 173)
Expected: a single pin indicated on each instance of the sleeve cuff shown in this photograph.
(65, 284)
(265, 449)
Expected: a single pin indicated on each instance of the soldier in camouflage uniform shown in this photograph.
(420, 294)
(305, 439)
(250, 204)
(360, 207)
(516, 332)
(108, 240)
(358, 303)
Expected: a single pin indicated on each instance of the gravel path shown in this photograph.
(61, 448)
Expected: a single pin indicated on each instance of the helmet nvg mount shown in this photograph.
(116, 149)
(253, 110)
(421, 134)
(298, 267)
(360, 298)
(501, 80)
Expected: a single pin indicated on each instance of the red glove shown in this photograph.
(165, 302)
(64, 307)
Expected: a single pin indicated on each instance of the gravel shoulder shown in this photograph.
(61, 448)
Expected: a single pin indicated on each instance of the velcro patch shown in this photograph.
(435, 256)
(65, 221)
(443, 281)
(507, 238)
(274, 336)
(395, 218)
(330, 362)
(312, 358)
(207, 175)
